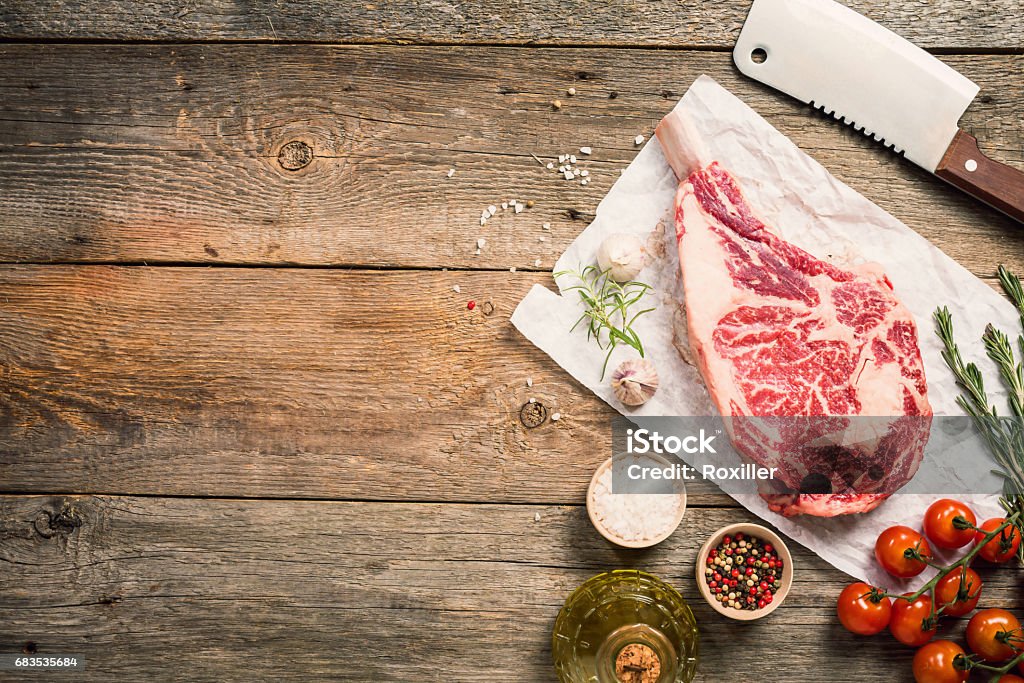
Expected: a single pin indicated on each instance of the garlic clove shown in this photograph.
(635, 381)
(622, 255)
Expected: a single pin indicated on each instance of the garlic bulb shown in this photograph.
(623, 255)
(635, 381)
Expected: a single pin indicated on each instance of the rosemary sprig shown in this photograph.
(608, 309)
(1004, 436)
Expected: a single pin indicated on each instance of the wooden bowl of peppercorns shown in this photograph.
(744, 571)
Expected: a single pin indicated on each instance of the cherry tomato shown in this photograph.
(1003, 547)
(985, 631)
(908, 623)
(933, 663)
(891, 546)
(1011, 678)
(939, 526)
(959, 592)
(859, 613)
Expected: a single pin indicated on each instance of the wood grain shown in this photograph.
(173, 153)
(284, 383)
(933, 24)
(373, 592)
(998, 185)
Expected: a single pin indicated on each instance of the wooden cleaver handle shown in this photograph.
(998, 185)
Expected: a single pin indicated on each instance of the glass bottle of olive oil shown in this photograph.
(625, 626)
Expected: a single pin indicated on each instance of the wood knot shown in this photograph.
(295, 155)
(64, 521)
(30, 648)
(533, 415)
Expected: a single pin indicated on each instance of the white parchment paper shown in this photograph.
(808, 207)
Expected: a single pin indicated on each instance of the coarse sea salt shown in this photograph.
(633, 517)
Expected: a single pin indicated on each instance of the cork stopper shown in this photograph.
(637, 663)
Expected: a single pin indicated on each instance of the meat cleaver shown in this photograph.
(863, 74)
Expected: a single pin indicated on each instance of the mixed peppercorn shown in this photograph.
(744, 572)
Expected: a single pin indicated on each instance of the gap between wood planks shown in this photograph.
(399, 43)
(13, 493)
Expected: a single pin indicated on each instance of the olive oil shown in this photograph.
(625, 626)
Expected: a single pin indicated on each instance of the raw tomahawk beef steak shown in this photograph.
(777, 332)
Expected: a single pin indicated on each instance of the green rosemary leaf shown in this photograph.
(608, 307)
(1004, 437)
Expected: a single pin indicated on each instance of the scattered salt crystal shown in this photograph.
(562, 158)
(419, 399)
(536, 516)
(561, 169)
(585, 150)
(546, 226)
(569, 175)
(456, 289)
(572, 158)
(492, 209)
(477, 252)
(571, 91)
(504, 205)
(529, 381)
(638, 140)
(537, 263)
(584, 181)
(555, 417)
(481, 243)
(533, 400)
(550, 165)
(519, 208)
(512, 269)
(584, 173)
(451, 172)
(541, 238)
(483, 220)
(513, 202)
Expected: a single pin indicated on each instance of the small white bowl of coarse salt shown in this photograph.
(638, 519)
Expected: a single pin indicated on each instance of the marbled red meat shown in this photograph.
(780, 333)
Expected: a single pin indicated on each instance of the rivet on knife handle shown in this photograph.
(998, 185)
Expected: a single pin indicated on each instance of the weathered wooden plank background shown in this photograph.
(191, 172)
(370, 591)
(657, 23)
(246, 424)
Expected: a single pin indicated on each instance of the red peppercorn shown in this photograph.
(750, 570)
(713, 584)
(761, 603)
(471, 305)
(751, 561)
(727, 540)
(767, 547)
(739, 536)
(728, 551)
(710, 561)
(717, 576)
(714, 552)
(764, 585)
